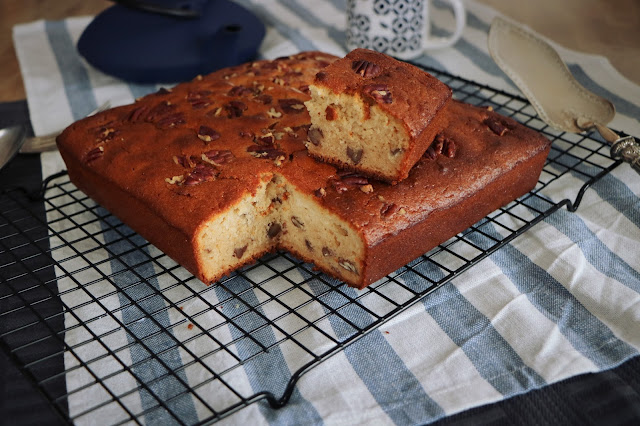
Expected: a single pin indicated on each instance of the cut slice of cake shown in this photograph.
(374, 114)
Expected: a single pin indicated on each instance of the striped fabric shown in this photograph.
(561, 300)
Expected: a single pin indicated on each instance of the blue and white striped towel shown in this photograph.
(561, 300)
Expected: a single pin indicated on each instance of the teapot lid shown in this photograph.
(162, 41)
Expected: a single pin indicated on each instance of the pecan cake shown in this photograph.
(374, 114)
(215, 173)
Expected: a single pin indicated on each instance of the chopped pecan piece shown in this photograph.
(94, 154)
(239, 91)
(388, 209)
(200, 94)
(184, 160)
(297, 222)
(430, 153)
(355, 180)
(496, 126)
(351, 178)
(365, 68)
(105, 134)
(291, 106)
(218, 157)
(379, 92)
(355, 154)
(239, 252)
(199, 99)
(441, 145)
(438, 144)
(272, 65)
(174, 180)
(274, 229)
(339, 186)
(235, 109)
(321, 76)
(159, 111)
(266, 140)
(346, 179)
(137, 114)
(171, 120)
(269, 152)
(348, 265)
(272, 113)
(201, 173)
(200, 103)
(449, 149)
(315, 136)
(367, 189)
(330, 113)
(207, 134)
(264, 98)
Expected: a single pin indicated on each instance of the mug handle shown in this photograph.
(461, 21)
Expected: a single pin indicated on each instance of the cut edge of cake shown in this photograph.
(278, 216)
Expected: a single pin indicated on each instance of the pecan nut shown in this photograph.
(218, 157)
(365, 68)
(291, 105)
(496, 125)
(315, 136)
(235, 109)
(269, 152)
(388, 209)
(379, 92)
(201, 173)
(94, 154)
(355, 154)
(207, 134)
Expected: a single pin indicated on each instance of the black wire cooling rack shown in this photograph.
(92, 312)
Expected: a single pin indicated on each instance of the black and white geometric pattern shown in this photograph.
(395, 27)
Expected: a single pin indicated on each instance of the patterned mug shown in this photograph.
(400, 28)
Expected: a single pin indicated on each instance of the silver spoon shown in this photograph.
(560, 101)
(13, 139)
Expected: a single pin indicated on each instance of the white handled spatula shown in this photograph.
(560, 101)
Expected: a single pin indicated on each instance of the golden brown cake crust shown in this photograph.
(175, 159)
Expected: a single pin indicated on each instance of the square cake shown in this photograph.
(215, 173)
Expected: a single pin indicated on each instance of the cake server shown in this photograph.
(560, 101)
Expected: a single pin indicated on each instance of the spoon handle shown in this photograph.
(37, 144)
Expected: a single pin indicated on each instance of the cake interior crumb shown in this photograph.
(356, 133)
(279, 216)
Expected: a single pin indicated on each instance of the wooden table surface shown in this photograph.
(604, 27)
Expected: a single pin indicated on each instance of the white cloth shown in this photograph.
(558, 301)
